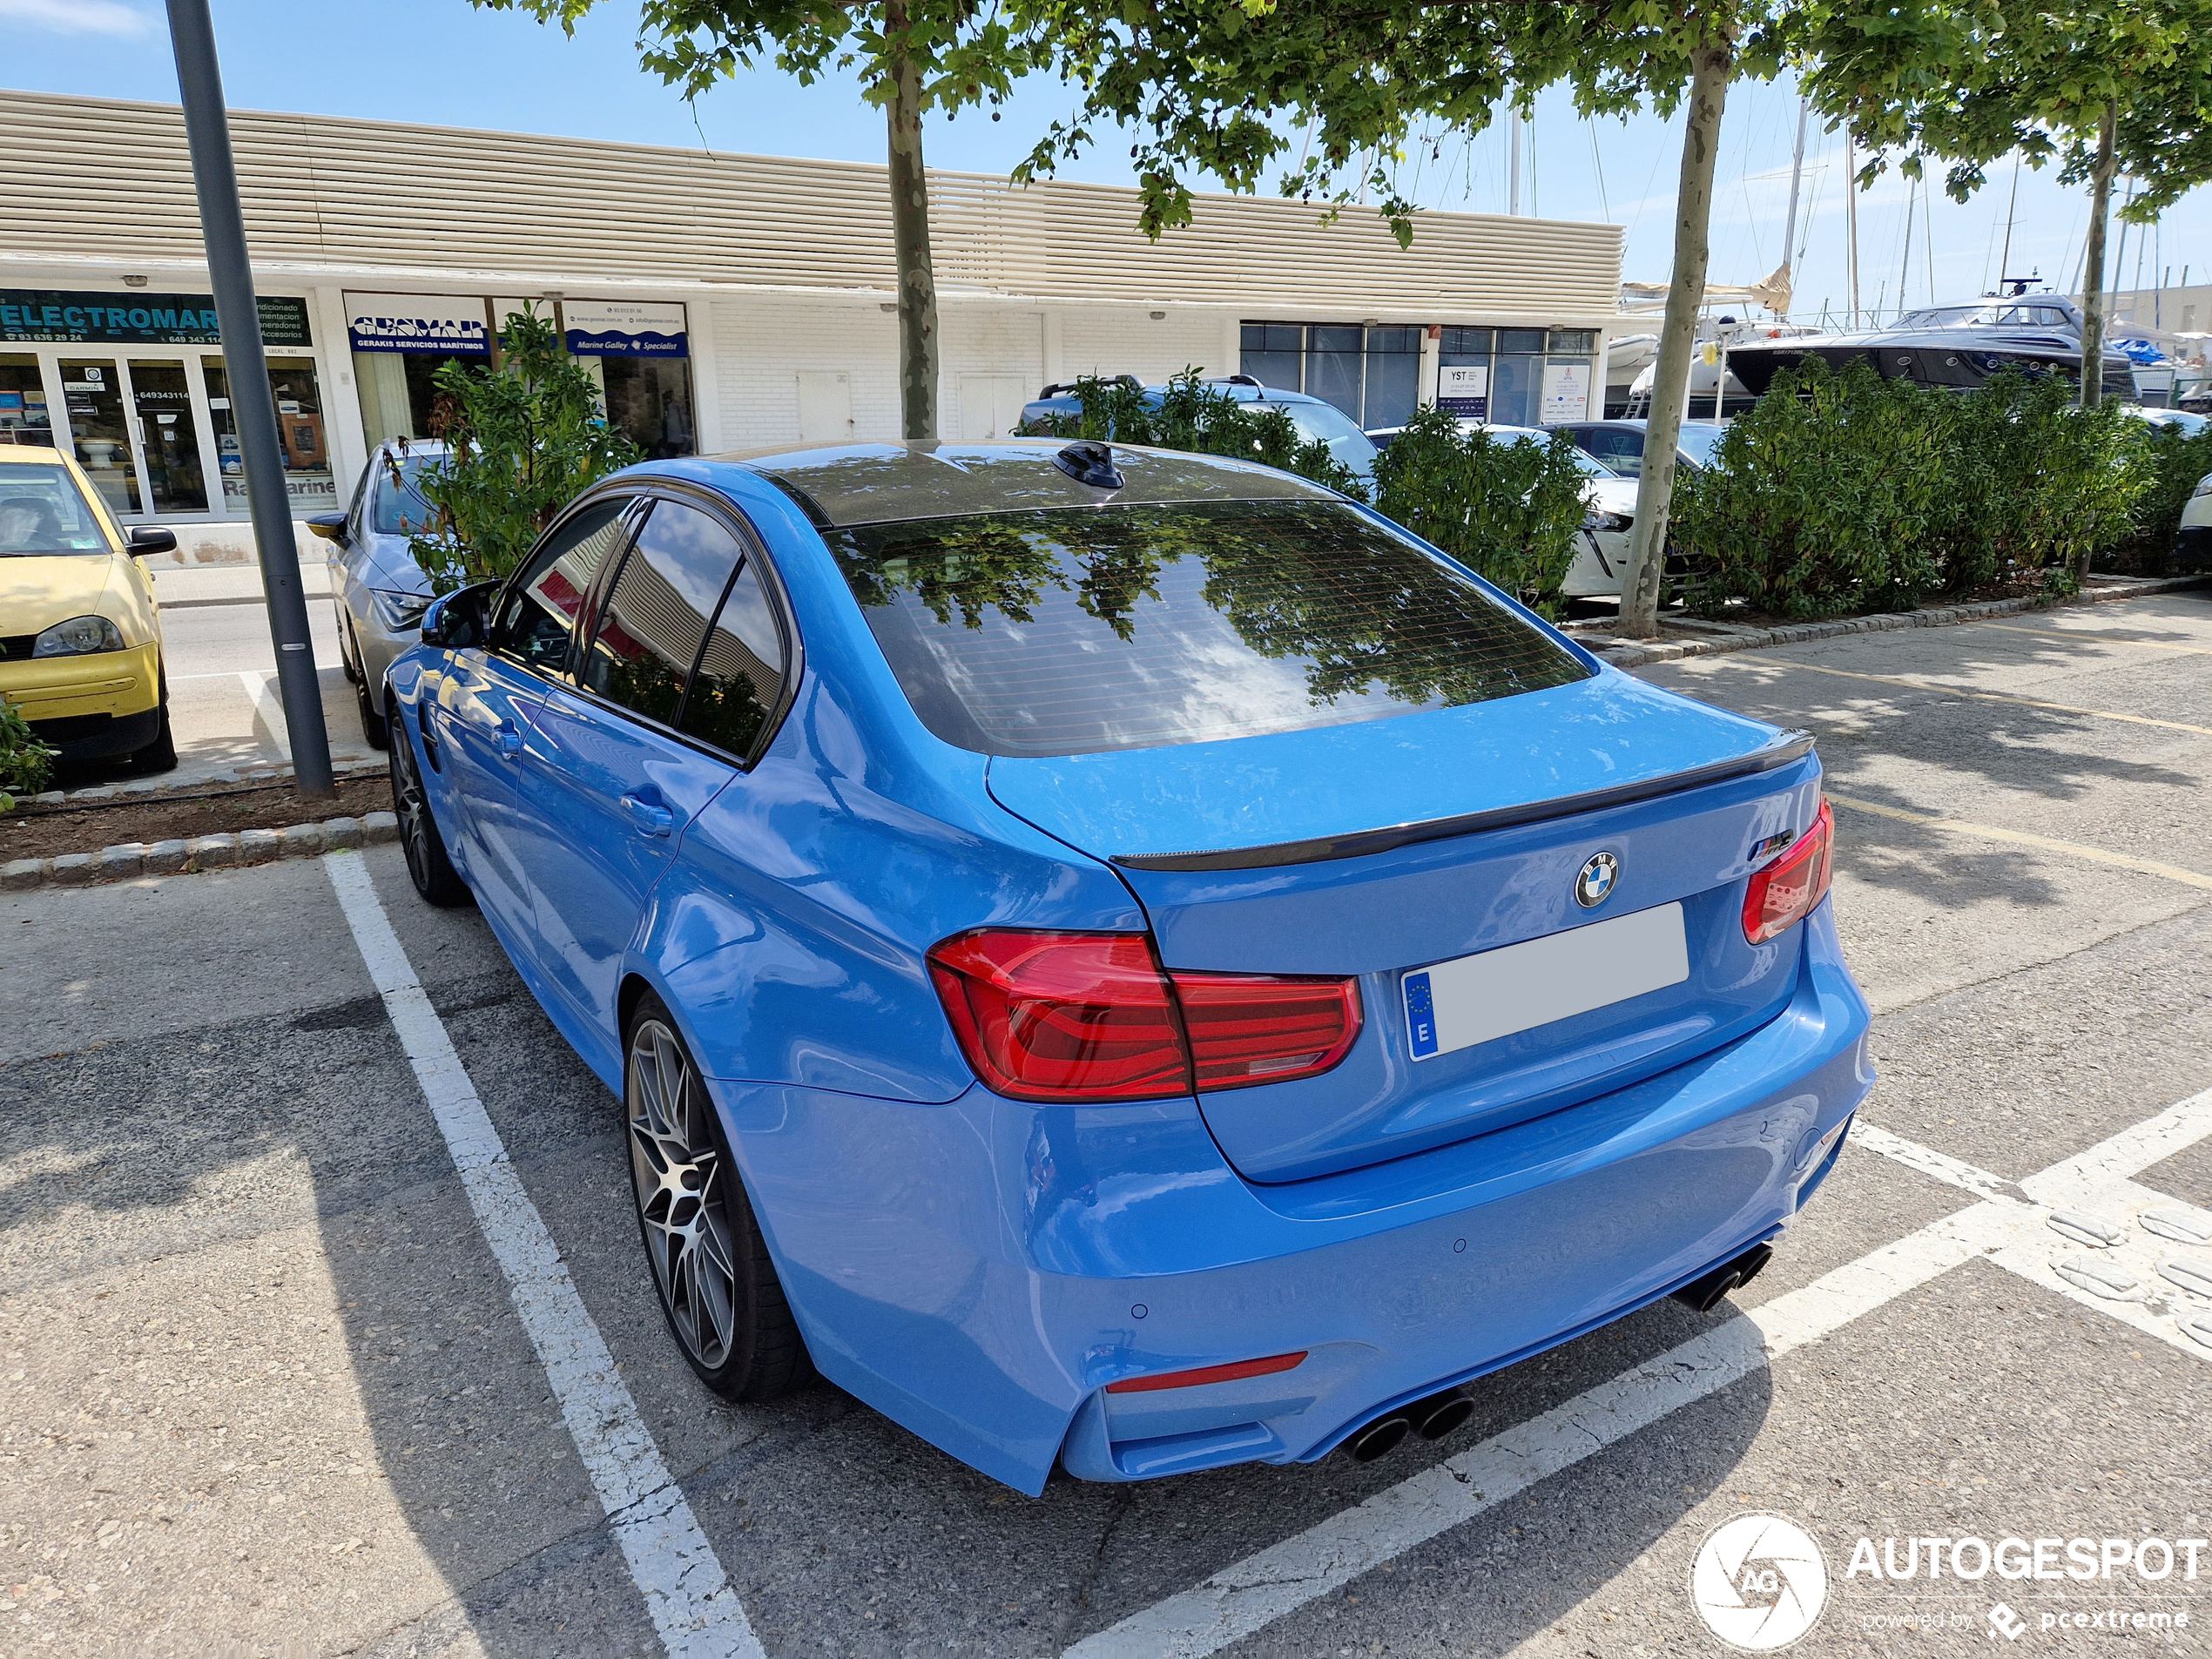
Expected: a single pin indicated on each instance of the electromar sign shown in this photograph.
(59, 317)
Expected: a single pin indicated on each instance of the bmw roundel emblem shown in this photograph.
(1595, 885)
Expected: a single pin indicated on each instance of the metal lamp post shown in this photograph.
(253, 406)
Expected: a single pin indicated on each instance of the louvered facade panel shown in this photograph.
(114, 186)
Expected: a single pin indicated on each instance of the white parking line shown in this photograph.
(260, 686)
(2002, 1227)
(693, 1607)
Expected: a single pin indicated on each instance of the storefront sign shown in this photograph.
(413, 322)
(1464, 391)
(1567, 393)
(55, 317)
(624, 328)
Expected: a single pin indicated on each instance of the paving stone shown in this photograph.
(49, 797)
(166, 858)
(380, 827)
(301, 840)
(73, 869)
(343, 831)
(123, 860)
(259, 846)
(17, 874)
(98, 791)
(214, 851)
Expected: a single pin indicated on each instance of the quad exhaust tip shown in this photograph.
(1432, 1418)
(1706, 1293)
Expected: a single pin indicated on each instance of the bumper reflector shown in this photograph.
(1266, 1367)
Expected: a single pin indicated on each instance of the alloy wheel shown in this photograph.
(676, 1167)
(413, 807)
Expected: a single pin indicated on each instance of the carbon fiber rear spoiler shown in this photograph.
(1791, 746)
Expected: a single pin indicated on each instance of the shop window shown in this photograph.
(1517, 377)
(92, 395)
(1273, 354)
(399, 392)
(1332, 354)
(1393, 377)
(161, 395)
(649, 400)
(301, 434)
(24, 417)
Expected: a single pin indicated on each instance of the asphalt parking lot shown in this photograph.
(277, 1376)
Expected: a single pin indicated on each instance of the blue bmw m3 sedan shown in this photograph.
(1127, 960)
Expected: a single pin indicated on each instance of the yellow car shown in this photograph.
(80, 636)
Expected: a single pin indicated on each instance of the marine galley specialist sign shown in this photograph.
(451, 327)
(624, 328)
(60, 317)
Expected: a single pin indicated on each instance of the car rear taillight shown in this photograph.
(1266, 1367)
(1785, 891)
(1093, 1016)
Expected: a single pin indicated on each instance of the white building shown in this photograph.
(722, 301)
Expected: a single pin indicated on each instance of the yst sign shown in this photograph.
(59, 317)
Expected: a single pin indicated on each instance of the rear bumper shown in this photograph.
(981, 1270)
(2193, 549)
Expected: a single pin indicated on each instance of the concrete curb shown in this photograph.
(1625, 653)
(134, 858)
(145, 789)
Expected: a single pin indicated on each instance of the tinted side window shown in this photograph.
(654, 621)
(538, 610)
(741, 671)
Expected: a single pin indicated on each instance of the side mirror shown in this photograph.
(330, 526)
(460, 619)
(152, 538)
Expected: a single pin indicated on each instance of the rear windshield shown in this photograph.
(41, 511)
(1071, 632)
(1334, 427)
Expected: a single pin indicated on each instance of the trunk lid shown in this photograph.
(1388, 847)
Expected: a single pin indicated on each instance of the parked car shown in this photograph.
(1314, 417)
(2189, 422)
(379, 589)
(80, 631)
(1619, 444)
(1602, 556)
(1124, 959)
(2192, 546)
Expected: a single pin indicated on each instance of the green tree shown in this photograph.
(912, 56)
(522, 441)
(2097, 85)
(1210, 87)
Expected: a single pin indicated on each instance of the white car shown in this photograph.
(2192, 546)
(1610, 500)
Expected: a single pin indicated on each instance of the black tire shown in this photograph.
(348, 647)
(160, 755)
(710, 1267)
(430, 868)
(373, 726)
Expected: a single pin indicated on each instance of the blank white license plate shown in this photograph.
(1516, 987)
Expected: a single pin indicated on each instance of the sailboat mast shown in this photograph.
(1905, 269)
(1796, 172)
(1850, 218)
(1512, 190)
(2005, 260)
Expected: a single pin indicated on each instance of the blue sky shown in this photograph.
(442, 61)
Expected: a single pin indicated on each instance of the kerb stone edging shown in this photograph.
(135, 859)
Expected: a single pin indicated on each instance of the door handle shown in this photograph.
(648, 816)
(510, 739)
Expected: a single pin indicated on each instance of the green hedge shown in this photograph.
(26, 765)
(1507, 508)
(1840, 493)
(2175, 462)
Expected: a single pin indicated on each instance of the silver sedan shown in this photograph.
(380, 590)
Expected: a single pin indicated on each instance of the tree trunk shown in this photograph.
(2093, 274)
(910, 239)
(1711, 66)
